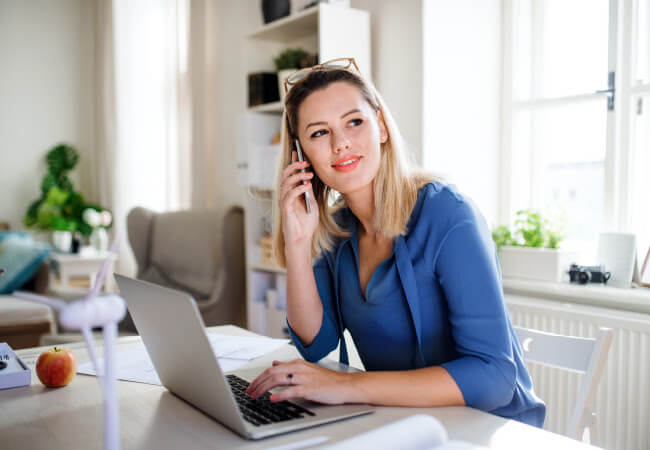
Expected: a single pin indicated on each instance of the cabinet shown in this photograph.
(331, 31)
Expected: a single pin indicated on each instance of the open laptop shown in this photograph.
(173, 332)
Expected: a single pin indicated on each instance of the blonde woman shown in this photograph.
(404, 262)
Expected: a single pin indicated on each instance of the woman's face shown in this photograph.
(341, 135)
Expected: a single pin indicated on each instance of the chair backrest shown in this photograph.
(583, 355)
(200, 252)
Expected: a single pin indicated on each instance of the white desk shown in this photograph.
(152, 418)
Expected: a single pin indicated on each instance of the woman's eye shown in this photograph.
(318, 133)
(356, 122)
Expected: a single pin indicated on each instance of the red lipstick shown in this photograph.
(347, 164)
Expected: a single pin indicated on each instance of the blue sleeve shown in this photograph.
(468, 272)
(328, 336)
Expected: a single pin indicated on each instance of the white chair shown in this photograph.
(584, 355)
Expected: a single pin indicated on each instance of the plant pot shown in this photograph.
(62, 241)
(540, 264)
(282, 75)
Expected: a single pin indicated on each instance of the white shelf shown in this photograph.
(267, 268)
(274, 107)
(289, 28)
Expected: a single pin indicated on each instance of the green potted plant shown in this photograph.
(288, 61)
(530, 249)
(60, 207)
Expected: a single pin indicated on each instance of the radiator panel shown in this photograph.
(623, 398)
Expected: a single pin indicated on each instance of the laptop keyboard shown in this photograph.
(261, 411)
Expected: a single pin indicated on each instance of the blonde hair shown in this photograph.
(396, 184)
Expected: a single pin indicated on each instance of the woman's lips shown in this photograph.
(347, 164)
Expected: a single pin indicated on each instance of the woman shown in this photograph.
(402, 261)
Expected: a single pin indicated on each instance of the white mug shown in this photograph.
(617, 251)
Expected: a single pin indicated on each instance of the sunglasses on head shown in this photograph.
(334, 64)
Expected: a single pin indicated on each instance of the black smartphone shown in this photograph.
(302, 158)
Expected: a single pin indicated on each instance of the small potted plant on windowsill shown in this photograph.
(530, 250)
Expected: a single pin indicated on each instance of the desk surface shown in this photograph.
(151, 417)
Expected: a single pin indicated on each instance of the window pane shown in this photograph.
(522, 49)
(569, 41)
(520, 196)
(561, 148)
(642, 70)
(574, 46)
(640, 212)
(573, 132)
(571, 141)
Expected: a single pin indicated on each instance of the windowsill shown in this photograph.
(636, 299)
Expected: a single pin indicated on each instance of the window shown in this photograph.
(575, 134)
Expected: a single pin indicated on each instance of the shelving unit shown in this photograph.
(330, 31)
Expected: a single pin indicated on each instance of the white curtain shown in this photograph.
(143, 109)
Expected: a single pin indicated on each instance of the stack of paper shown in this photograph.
(417, 432)
(232, 352)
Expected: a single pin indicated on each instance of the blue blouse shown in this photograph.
(436, 300)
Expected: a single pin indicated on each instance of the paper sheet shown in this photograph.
(232, 352)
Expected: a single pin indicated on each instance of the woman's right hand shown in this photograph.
(298, 226)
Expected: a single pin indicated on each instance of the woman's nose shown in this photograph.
(340, 142)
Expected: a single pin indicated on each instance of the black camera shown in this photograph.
(585, 274)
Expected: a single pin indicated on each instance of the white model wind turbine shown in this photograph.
(91, 311)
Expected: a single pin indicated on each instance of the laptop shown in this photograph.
(174, 334)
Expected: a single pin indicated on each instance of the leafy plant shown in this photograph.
(59, 207)
(293, 58)
(530, 230)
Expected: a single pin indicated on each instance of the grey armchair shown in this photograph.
(190, 252)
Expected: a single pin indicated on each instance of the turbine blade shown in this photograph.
(49, 301)
(101, 275)
(90, 343)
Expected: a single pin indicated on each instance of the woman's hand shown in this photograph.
(298, 226)
(305, 380)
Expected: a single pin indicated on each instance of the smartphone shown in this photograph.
(301, 158)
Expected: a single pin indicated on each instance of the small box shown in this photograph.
(16, 373)
(262, 88)
(266, 245)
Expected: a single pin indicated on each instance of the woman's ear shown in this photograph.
(383, 130)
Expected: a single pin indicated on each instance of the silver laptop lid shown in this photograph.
(173, 332)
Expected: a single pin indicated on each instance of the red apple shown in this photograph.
(56, 367)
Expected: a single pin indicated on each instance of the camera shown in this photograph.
(585, 274)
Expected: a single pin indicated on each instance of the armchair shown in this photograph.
(192, 252)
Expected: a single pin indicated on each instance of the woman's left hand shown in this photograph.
(305, 380)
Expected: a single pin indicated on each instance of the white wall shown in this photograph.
(396, 37)
(45, 95)
(462, 85)
(234, 19)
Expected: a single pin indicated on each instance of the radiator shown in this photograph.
(623, 399)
